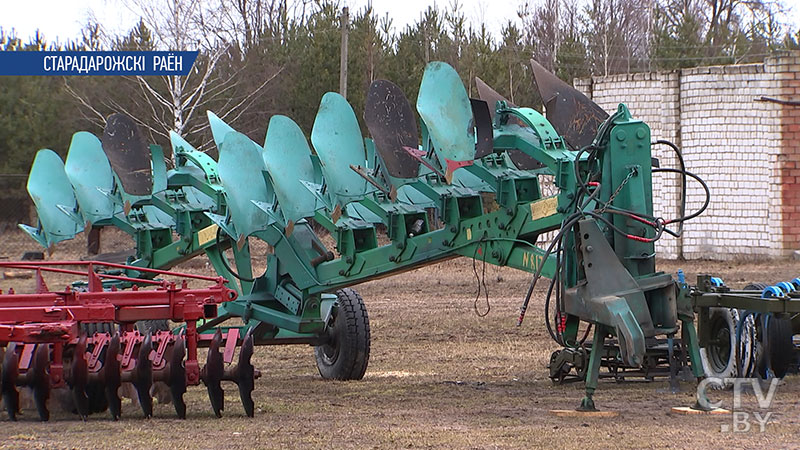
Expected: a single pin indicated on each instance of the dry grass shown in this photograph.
(439, 376)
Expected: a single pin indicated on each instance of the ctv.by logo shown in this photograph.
(742, 421)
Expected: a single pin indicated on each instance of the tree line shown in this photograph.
(264, 57)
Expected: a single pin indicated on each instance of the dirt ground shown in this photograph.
(439, 376)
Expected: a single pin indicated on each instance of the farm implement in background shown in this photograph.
(461, 152)
(85, 338)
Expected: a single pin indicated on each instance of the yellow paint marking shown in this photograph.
(544, 208)
(207, 234)
(531, 260)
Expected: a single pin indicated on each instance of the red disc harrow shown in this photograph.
(85, 338)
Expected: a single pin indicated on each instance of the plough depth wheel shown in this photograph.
(346, 354)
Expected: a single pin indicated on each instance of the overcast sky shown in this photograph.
(63, 19)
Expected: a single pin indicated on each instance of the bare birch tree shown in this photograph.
(161, 104)
(192, 25)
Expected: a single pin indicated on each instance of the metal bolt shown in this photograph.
(349, 260)
(341, 272)
(453, 229)
(392, 258)
(496, 254)
(589, 249)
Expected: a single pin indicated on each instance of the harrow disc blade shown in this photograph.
(143, 376)
(393, 126)
(128, 154)
(212, 375)
(177, 377)
(112, 378)
(9, 381)
(245, 375)
(571, 113)
(40, 382)
(79, 378)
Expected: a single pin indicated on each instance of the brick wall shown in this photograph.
(787, 71)
(746, 148)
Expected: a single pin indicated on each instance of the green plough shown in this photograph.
(424, 183)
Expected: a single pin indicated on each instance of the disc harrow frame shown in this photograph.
(46, 346)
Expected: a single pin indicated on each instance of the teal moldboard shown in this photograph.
(444, 106)
(241, 170)
(54, 198)
(337, 139)
(90, 174)
(288, 160)
(219, 129)
(176, 141)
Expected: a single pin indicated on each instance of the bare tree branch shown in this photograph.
(101, 120)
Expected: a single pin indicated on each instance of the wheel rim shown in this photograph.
(719, 349)
(330, 350)
(747, 345)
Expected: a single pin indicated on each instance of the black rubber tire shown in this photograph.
(719, 359)
(780, 348)
(779, 352)
(346, 355)
(143, 326)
